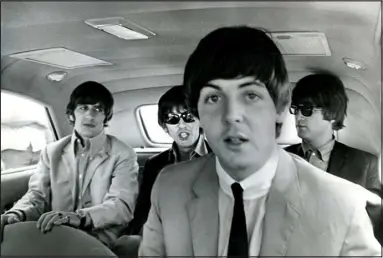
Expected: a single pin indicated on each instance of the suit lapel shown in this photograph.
(203, 211)
(69, 162)
(337, 159)
(282, 208)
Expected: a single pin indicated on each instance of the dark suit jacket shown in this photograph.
(152, 168)
(355, 165)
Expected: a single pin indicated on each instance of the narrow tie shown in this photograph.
(238, 242)
(308, 155)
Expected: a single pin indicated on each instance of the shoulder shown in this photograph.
(58, 145)
(321, 189)
(181, 176)
(162, 156)
(293, 148)
(117, 147)
(354, 153)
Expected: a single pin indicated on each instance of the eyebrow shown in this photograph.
(243, 85)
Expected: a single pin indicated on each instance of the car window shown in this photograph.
(153, 132)
(25, 131)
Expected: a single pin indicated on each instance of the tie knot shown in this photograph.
(237, 190)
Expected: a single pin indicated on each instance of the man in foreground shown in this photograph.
(250, 198)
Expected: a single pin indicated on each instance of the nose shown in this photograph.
(233, 111)
(90, 113)
(181, 123)
(299, 116)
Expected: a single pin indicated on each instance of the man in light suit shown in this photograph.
(87, 180)
(250, 198)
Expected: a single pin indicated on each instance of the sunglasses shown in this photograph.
(305, 110)
(174, 119)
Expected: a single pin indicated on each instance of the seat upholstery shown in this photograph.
(24, 239)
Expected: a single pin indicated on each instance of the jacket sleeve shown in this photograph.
(143, 203)
(119, 202)
(37, 199)
(359, 240)
(372, 177)
(152, 243)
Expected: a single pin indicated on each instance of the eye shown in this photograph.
(252, 95)
(82, 107)
(99, 109)
(212, 99)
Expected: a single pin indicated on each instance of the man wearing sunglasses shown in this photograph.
(189, 143)
(319, 103)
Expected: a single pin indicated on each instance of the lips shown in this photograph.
(235, 139)
(90, 125)
(183, 135)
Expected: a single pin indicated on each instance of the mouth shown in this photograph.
(236, 140)
(89, 125)
(183, 136)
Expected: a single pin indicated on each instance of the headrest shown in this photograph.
(24, 239)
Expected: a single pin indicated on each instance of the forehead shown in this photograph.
(234, 84)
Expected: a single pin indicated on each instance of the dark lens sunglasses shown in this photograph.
(174, 119)
(305, 110)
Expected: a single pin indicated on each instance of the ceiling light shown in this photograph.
(302, 43)
(121, 28)
(354, 64)
(56, 76)
(60, 57)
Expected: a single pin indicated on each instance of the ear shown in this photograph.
(71, 118)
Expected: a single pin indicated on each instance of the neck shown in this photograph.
(184, 152)
(321, 139)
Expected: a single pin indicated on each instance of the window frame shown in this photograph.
(51, 127)
(143, 130)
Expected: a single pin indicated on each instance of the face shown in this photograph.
(311, 124)
(238, 117)
(184, 133)
(89, 119)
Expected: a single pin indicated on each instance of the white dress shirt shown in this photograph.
(255, 189)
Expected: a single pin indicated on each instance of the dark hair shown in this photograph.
(324, 90)
(173, 98)
(235, 52)
(91, 92)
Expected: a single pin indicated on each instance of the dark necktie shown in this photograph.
(238, 242)
(308, 155)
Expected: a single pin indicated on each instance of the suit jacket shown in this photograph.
(308, 213)
(152, 168)
(113, 186)
(355, 165)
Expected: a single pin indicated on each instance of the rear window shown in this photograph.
(152, 130)
(25, 131)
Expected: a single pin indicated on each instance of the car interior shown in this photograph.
(138, 50)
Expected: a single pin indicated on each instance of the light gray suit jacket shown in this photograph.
(113, 186)
(308, 213)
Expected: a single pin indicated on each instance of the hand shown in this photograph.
(54, 218)
(5, 220)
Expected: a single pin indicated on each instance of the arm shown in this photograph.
(152, 243)
(143, 203)
(119, 202)
(360, 240)
(372, 177)
(37, 200)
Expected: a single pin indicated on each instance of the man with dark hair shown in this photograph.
(319, 103)
(87, 180)
(176, 120)
(250, 197)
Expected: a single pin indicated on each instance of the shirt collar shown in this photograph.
(199, 150)
(93, 144)
(255, 185)
(322, 150)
